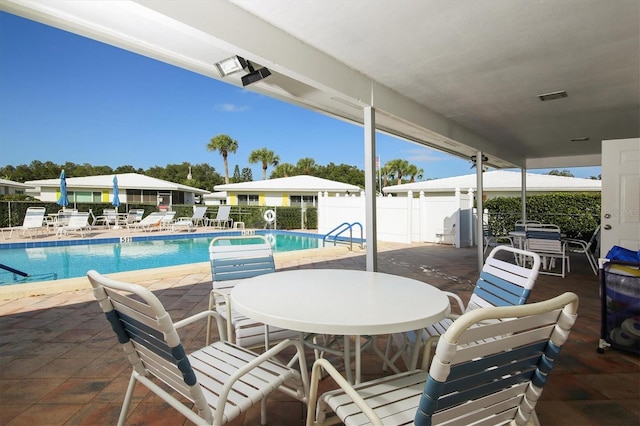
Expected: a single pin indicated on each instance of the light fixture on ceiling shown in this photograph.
(553, 95)
(231, 65)
(254, 75)
(582, 139)
(484, 158)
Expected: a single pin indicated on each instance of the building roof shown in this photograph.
(290, 184)
(125, 181)
(500, 180)
(13, 184)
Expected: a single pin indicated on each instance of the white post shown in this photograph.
(370, 188)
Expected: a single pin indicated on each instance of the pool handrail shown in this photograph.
(340, 229)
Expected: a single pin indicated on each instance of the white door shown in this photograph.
(620, 211)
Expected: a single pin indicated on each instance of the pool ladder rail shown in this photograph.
(334, 235)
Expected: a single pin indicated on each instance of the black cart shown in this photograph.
(620, 305)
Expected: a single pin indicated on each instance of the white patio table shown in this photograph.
(341, 302)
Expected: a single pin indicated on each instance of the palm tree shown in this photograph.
(397, 168)
(266, 157)
(414, 172)
(305, 165)
(225, 145)
(283, 170)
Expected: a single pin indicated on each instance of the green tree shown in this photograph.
(563, 172)
(397, 169)
(341, 173)
(128, 169)
(414, 172)
(306, 165)
(236, 175)
(224, 145)
(283, 170)
(266, 157)
(247, 174)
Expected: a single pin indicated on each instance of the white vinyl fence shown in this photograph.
(404, 219)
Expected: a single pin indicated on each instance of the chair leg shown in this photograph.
(211, 302)
(127, 399)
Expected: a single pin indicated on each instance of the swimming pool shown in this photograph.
(55, 260)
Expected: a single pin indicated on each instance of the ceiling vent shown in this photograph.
(553, 95)
(583, 139)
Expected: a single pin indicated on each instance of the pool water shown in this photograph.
(51, 263)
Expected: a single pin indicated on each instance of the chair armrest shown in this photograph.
(316, 375)
(457, 299)
(266, 356)
(202, 315)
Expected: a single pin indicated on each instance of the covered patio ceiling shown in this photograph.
(461, 77)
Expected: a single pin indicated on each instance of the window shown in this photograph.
(297, 200)
(248, 199)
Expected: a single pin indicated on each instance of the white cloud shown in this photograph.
(232, 108)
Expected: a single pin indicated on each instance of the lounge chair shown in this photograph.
(33, 221)
(222, 217)
(182, 224)
(152, 222)
(198, 217)
(107, 217)
(490, 368)
(78, 222)
(221, 381)
(167, 220)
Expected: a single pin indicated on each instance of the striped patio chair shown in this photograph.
(220, 381)
(490, 368)
(501, 283)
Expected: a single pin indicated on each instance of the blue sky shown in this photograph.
(67, 98)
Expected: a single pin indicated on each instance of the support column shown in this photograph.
(370, 188)
(479, 210)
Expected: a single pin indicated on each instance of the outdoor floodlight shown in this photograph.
(231, 65)
(254, 76)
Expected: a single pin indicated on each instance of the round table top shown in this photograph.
(339, 301)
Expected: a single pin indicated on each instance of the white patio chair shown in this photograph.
(234, 258)
(588, 248)
(222, 217)
(493, 240)
(490, 368)
(78, 222)
(198, 218)
(501, 283)
(168, 219)
(151, 222)
(446, 234)
(546, 240)
(107, 217)
(33, 221)
(221, 380)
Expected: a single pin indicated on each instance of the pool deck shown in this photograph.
(61, 364)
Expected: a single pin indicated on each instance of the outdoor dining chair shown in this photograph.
(234, 258)
(221, 381)
(501, 283)
(490, 368)
(546, 240)
(588, 248)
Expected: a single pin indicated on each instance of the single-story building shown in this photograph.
(10, 187)
(132, 188)
(499, 183)
(215, 198)
(284, 192)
